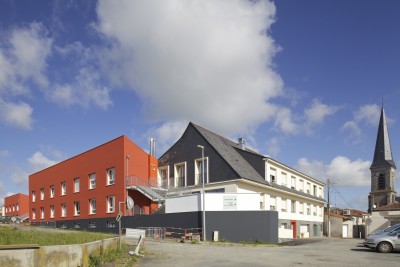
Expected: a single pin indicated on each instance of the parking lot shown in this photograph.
(312, 252)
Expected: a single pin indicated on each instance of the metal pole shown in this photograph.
(204, 192)
(329, 210)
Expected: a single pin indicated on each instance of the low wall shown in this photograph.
(60, 255)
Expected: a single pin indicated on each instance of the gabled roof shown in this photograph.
(228, 150)
(383, 151)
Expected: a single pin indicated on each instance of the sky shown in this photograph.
(302, 81)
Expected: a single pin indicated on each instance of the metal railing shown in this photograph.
(156, 234)
(137, 181)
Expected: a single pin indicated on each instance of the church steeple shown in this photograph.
(383, 151)
(382, 169)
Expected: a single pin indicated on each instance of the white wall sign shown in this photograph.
(230, 202)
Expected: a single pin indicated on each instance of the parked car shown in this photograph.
(384, 243)
(386, 230)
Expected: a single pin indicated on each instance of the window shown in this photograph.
(293, 182)
(41, 193)
(301, 208)
(77, 208)
(63, 210)
(272, 205)
(63, 188)
(42, 213)
(51, 211)
(33, 214)
(314, 210)
(199, 167)
(180, 174)
(308, 188)
(293, 206)
(110, 204)
(308, 209)
(76, 185)
(63, 225)
(272, 175)
(92, 206)
(273, 180)
(163, 177)
(92, 181)
(33, 196)
(301, 185)
(110, 224)
(92, 225)
(284, 179)
(77, 225)
(13, 208)
(17, 207)
(51, 191)
(111, 176)
(283, 204)
(315, 190)
(381, 182)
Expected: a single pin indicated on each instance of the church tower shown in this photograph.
(382, 169)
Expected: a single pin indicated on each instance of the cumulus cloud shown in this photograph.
(167, 134)
(206, 61)
(16, 114)
(366, 115)
(273, 146)
(20, 177)
(341, 170)
(38, 162)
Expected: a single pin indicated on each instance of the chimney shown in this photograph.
(153, 147)
(242, 143)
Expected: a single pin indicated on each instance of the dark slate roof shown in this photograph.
(383, 151)
(228, 150)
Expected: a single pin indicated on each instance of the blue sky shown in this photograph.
(302, 81)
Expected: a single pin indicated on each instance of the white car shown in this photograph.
(384, 243)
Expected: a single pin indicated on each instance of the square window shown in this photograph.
(110, 204)
(92, 181)
(111, 176)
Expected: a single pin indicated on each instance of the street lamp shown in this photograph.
(204, 192)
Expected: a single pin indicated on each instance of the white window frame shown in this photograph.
(272, 205)
(301, 188)
(284, 181)
(52, 211)
(77, 208)
(163, 183)
(293, 182)
(110, 204)
(52, 191)
(92, 181)
(77, 185)
(33, 196)
(63, 188)
(301, 208)
(110, 176)
(63, 210)
(41, 193)
(92, 206)
(283, 204)
(42, 213)
(198, 169)
(33, 214)
(176, 177)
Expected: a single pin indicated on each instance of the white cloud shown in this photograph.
(313, 116)
(340, 170)
(273, 146)
(366, 115)
(23, 55)
(4, 153)
(206, 61)
(20, 177)
(38, 162)
(16, 114)
(167, 134)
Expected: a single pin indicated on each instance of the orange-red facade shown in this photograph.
(16, 205)
(90, 185)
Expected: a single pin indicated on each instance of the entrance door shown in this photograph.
(293, 226)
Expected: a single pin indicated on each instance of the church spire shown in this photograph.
(383, 151)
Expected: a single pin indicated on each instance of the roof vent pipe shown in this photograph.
(153, 147)
(242, 143)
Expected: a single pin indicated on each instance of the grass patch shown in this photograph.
(119, 257)
(13, 236)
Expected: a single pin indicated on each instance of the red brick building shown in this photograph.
(16, 205)
(93, 185)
